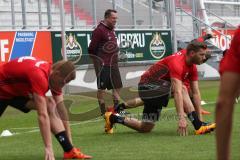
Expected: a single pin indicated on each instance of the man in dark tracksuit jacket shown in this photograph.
(103, 50)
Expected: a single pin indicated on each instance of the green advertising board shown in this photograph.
(136, 45)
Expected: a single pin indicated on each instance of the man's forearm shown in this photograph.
(179, 103)
(44, 125)
(43, 120)
(177, 88)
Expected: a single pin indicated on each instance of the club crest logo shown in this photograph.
(157, 46)
(73, 48)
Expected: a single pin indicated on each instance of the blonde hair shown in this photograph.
(66, 69)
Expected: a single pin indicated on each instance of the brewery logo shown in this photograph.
(73, 48)
(157, 46)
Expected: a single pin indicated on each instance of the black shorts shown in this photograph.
(109, 78)
(17, 102)
(155, 96)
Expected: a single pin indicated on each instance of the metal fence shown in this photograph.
(81, 14)
(45, 14)
(185, 18)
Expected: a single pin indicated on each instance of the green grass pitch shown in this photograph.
(163, 143)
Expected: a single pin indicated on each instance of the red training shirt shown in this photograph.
(231, 60)
(173, 66)
(23, 77)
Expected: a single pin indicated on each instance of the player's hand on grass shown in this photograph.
(182, 126)
(49, 155)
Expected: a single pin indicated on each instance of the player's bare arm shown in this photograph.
(178, 98)
(44, 124)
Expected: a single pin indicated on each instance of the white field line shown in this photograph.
(36, 129)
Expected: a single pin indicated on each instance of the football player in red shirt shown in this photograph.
(23, 85)
(229, 88)
(154, 89)
(197, 103)
(132, 103)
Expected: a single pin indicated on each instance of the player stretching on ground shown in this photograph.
(154, 88)
(23, 85)
(132, 103)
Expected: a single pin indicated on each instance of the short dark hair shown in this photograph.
(196, 46)
(108, 12)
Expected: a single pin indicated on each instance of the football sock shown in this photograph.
(120, 107)
(115, 103)
(102, 108)
(116, 119)
(64, 141)
(193, 117)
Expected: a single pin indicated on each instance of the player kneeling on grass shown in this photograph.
(154, 88)
(24, 83)
(136, 102)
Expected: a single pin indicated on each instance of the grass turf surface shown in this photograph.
(125, 144)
